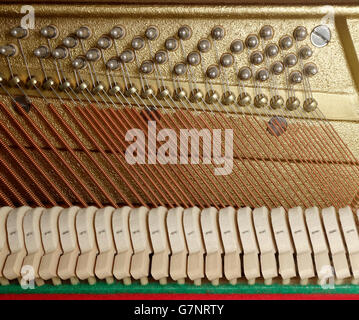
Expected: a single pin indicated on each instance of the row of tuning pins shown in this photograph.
(254, 72)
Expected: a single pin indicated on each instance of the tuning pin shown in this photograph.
(179, 94)
(276, 102)
(49, 32)
(117, 32)
(60, 53)
(196, 95)
(277, 68)
(310, 69)
(137, 43)
(42, 52)
(19, 32)
(171, 44)
(212, 96)
(193, 58)
(147, 92)
(161, 57)
(93, 54)
(237, 46)
(305, 52)
(204, 45)
(310, 104)
(244, 99)
(184, 33)
(79, 63)
(48, 84)
(244, 73)
(105, 42)
(256, 58)
(212, 72)
(218, 33)
(179, 69)
(146, 67)
(152, 33)
(292, 103)
(300, 33)
(290, 60)
(286, 42)
(226, 60)
(65, 85)
(70, 42)
(228, 98)
(9, 50)
(83, 32)
(113, 64)
(262, 75)
(271, 50)
(252, 41)
(295, 77)
(266, 33)
(260, 100)
(127, 56)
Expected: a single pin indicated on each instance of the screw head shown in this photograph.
(320, 36)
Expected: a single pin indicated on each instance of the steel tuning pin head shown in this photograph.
(137, 43)
(237, 46)
(266, 32)
(213, 72)
(276, 102)
(146, 67)
(179, 69)
(271, 50)
(152, 33)
(83, 33)
(290, 60)
(105, 42)
(49, 32)
(9, 50)
(305, 52)
(19, 32)
(300, 33)
(244, 73)
(161, 57)
(204, 45)
(256, 58)
(117, 32)
(70, 41)
(228, 98)
(127, 56)
(296, 77)
(184, 33)
(310, 104)
(179, 94)
(292, 103)
(212, 96)
(113, 64)
(252, 41)
(262, 75)
(286, 42)
(171, 44)
(42, 52)
(194, 58)
(226, 60)
(218, 33)
(277, 68)
(260, 100)
(310, 69)
(93, 54)
(60, 53)
(244, 99)
(79, 63)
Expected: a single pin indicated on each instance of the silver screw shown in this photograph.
(320, 36)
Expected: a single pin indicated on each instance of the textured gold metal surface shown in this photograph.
(333, 86)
